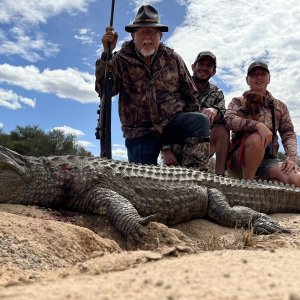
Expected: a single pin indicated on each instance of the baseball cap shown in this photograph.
(256, 64)
(206, 53)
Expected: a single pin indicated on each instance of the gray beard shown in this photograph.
(147, 53)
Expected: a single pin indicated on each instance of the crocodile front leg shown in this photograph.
(240, 216)
(119, 211)
(122, 214)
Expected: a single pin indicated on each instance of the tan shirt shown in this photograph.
(283, 122)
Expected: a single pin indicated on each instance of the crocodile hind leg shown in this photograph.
(240, 216)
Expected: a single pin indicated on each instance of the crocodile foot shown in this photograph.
(141, 228)
(265, 225)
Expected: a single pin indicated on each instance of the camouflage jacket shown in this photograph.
(283, 123)
(212, 96)
(148, 96)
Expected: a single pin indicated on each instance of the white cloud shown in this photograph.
(1, 125)
(37, 11)
(17, 42)
(69, 83)
(85, 35)
(239, 32)
(11, 100)
(68, 130)
(22, 18)
(119, 152)
(85, 144)
(139, 3)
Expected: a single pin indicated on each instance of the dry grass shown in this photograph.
(240, 239)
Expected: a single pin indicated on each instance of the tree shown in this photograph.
(31, 140)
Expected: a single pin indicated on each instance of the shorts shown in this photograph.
(262, 171)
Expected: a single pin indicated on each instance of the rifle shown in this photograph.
(103, 129)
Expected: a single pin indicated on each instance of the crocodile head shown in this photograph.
(13, 175)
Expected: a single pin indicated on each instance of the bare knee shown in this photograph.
(275, 173)
(254, 141)
(220, 133)
(220, 130)
(294, 179)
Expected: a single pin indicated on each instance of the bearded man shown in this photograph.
(157, 96)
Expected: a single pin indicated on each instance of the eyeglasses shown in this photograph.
(144, 32)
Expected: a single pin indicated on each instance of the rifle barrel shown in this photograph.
(105, 109)
(112, 13)
(109, 84)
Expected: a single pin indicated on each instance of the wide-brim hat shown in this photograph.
(147, 16)
(257, 64)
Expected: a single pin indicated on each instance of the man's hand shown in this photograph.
(169, 158)
(110, 38)
(289, 165)
(265, 133)
(211, 113)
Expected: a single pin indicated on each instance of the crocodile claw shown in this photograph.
(137, 234)
(147, 220)
(265, 225)
(140, 229)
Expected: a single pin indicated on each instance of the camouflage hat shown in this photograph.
(147, 16)
(206, 53)
(257, 64)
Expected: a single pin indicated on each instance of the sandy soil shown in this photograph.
(46, 254)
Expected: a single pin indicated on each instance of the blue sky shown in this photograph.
(49, 48)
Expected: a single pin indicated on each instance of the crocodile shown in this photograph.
(132, 195)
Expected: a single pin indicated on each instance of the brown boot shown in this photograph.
(195, 153)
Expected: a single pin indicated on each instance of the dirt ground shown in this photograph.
(46, 254)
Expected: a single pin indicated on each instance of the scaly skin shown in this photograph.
(133, 195)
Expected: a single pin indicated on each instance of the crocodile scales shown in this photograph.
(133, 195)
